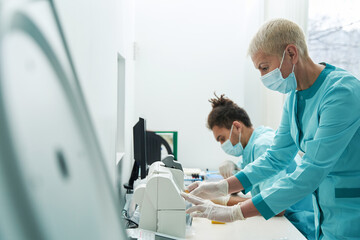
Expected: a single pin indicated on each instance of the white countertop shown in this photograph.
(257, 228)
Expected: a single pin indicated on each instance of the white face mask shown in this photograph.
(275, 81)
(236, 150)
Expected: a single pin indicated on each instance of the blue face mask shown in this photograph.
(236, 150)
(275, 81)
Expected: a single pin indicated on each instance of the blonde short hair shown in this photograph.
(273, 37)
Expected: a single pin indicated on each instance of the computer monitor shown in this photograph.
(154, 147)
(140, 154)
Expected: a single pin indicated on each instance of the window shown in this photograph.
(334, 33)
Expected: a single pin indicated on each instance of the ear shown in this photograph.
(293, 52)
(237, 125)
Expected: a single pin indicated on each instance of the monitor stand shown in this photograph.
(134, 176)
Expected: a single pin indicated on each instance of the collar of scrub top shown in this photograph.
(247, 149)
(308, 93)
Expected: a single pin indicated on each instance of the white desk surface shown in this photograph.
(255, 228)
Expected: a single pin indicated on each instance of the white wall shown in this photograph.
(96, 31)
(296, 11)
(263, 105)
(186, 50)
(127, 31)
(254, 89)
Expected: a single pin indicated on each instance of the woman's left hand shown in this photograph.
(207, 209)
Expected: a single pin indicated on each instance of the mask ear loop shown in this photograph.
(231, 132)
(293, 68)
(282, 59)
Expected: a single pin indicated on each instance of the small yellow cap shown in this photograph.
(216, 222)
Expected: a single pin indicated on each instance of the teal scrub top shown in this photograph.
(260, 140)
(301, 214)
(322, 121)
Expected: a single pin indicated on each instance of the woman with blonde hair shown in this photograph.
(321, 118)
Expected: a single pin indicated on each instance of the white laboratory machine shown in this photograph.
(53, 181)
(162, 208)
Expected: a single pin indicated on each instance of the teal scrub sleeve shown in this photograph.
(277, 158)
(260, 150)
(339, 119)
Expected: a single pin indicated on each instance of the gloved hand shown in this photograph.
(207, 209)
(221, 200)
(227, 168)
(209, 190)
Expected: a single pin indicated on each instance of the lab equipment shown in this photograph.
(140, 154)
(213, 176)
(162, 208)
(171, 137)
(53, 180)
(216, 222)
(154, 143)
(192, 171)
(193, 174)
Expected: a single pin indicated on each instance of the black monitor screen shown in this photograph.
(140, 155)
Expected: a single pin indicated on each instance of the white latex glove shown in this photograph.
(207, 209)
(209, 190)
(227, 168)
(221, 200)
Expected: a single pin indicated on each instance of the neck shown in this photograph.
(246, 135)
(306, 72)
